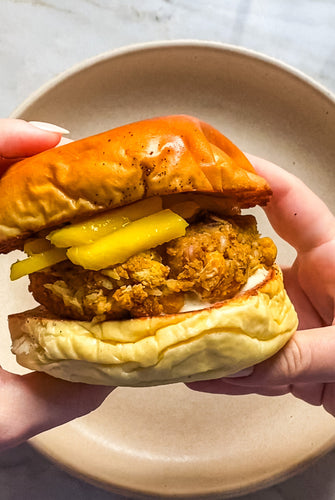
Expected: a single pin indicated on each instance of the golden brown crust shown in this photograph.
(159, 156)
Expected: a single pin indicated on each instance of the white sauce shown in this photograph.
(255, 279)
(194, 303)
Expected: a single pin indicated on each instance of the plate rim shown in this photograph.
(175, 44)
(163, 44)
(138, 494)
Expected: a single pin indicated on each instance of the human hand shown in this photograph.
(33, 403)
(305, 366)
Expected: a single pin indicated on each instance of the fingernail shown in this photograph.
(49, 127)
(64, 140)
(243, 373)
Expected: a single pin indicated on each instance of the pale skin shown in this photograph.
(36, 402)
(305, 367)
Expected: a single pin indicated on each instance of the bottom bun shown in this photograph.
(209, 343)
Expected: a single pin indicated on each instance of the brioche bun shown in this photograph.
(162, 156)
(184, 347)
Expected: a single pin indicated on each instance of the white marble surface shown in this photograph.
(40, 38)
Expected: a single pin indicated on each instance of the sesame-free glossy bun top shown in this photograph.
(159, 156)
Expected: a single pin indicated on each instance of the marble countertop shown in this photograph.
(41, 38)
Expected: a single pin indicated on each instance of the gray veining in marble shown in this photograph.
(41, 38)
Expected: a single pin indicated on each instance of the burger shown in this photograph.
(144, 267)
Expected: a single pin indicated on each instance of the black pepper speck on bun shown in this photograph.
(144, 267)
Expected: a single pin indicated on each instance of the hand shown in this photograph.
(35, 402)
(305, 367)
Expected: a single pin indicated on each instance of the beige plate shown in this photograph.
(170, 441)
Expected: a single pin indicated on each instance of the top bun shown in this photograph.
(166, 155)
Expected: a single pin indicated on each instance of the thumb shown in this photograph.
(308, 357)
(297, 214)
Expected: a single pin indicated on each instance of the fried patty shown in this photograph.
(213, 260)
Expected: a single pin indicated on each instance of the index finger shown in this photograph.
(296, 213)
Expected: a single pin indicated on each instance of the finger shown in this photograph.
(312, 393)
(19, 139)
(316, 394)
(307, 358)
(328, 398)
(316, 275)
(36, 402)
(222, 386)
(309, 315)
(295, 212)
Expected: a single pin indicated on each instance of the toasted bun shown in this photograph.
(210, 343)
(160, 156)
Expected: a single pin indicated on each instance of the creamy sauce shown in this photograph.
(194, 303)
(255, 279)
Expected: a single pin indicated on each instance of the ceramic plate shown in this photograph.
(170, 441)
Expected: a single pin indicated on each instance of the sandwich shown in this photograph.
(145, 266)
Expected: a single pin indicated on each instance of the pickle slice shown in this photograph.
(99, 226)
(37, 262)
(138, 236)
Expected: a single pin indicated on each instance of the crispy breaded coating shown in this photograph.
(214, 259)
(131, 289)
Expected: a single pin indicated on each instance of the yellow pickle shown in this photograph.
(138, 236)
(104, 240)
(37, 262)
(99, 226)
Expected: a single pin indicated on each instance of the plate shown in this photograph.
(169, 441)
